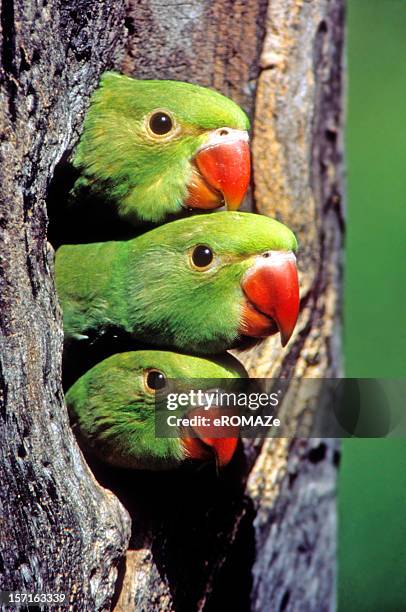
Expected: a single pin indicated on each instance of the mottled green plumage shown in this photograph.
(120, 161)
(149, 288)
(113, 411)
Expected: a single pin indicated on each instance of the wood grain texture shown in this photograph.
(297, 149)
(274, 530)
(60, 531)
(211, 43)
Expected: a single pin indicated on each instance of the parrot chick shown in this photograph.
(112, 409)
(201, 284)
(150, 148)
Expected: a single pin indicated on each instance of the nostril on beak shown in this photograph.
(223, 132)
(267, 254)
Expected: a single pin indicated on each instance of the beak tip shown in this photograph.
(224, 449)
(286, 335)
(234, 205)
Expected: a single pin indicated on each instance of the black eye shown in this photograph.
(202, 256)
(160, 123)
(155, 380)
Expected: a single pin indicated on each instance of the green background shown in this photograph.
(372, 485)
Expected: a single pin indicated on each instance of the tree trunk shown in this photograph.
(264, 537)
(60, 531)
(260, 535)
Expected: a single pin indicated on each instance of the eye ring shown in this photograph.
(161, 124)
(154, 380)
(201, 257)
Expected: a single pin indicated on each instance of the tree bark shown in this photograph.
(60, 531)
(260, 535)
(264, 538)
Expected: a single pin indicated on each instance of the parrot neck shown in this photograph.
(158, 196)
(85, 275)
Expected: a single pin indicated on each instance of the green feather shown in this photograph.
(121, 162)
(113, 411)
(149, 288)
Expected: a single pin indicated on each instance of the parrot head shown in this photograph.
(112, 409)
(154, 147)
(210, 282)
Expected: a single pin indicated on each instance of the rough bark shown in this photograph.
(298, 178)
(263, 535)
(60, 531)
(260, 535)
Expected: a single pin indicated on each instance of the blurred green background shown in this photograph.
(372, 485)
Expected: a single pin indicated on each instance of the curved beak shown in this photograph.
(202, 442)
(271, 287)
(221, 171)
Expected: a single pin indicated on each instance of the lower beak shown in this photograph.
(201, 442)
(271, 287)
(222, 171)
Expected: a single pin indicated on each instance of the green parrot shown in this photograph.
(201, 284)
(150, 148)
(112, 409)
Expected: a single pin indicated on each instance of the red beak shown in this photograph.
(222, 171)
(208, 439)
(272, 290)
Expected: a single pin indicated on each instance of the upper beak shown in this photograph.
(202, 442)
(222, 170)
(272, 288)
